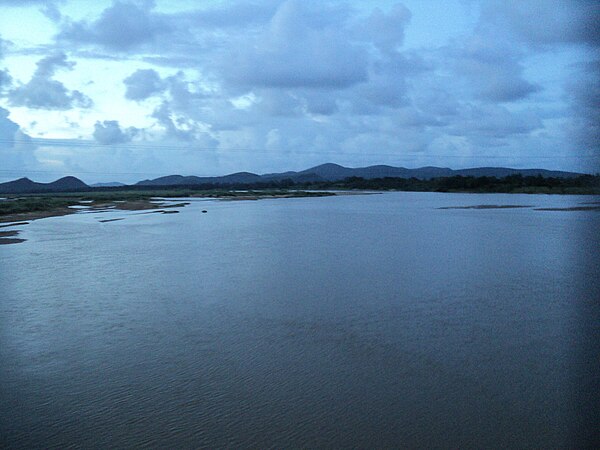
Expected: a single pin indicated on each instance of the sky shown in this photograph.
(123, 90)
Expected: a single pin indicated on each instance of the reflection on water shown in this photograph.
(358, 321)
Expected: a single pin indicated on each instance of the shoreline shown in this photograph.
(22, 218)
(54, 205)
(22, 210)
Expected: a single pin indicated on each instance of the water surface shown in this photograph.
(353, 321)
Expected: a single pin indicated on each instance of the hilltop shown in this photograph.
(26, 186)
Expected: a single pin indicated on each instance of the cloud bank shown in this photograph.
(274, 85)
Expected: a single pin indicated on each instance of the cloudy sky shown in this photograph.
(129, 89)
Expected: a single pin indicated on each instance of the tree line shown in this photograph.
(584, 184)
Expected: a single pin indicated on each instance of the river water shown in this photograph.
(371, 321)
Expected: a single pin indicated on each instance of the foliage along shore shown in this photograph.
(584, 184)
(34, 206)
(581, 185)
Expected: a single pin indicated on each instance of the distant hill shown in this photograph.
(178, 180)
(26, 186)
(335, 172)
(323, 172)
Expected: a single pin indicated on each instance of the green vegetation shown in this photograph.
(585, 184)
(33, 204)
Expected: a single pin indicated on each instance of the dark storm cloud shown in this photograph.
(123, 26)
(110, 132)
(43, 92)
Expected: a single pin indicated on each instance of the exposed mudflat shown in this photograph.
(486, 207)
(573, 208)
(595, 207)
(6, 237)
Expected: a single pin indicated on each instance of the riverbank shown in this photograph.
(20, 208)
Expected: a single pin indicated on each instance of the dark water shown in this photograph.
(358, 321)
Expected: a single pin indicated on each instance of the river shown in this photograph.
(369, 321)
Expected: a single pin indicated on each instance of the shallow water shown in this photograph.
(353, 321)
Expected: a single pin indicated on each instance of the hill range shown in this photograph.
(324, 172)
(335, 172)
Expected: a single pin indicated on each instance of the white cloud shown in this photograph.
(43, 92)
(299, 83)
(296, 51)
